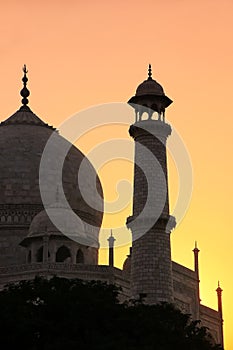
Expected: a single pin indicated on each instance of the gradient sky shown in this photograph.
(83, 53)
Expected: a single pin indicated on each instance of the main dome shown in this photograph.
(23, 137)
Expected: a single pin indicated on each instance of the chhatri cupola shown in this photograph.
(150, 98)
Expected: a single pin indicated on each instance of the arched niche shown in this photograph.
(39, 254)
(63, 254)
(79, 257)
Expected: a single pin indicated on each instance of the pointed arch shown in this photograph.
(79, 257)
(29, 257)
(39, 254)
(63, 254)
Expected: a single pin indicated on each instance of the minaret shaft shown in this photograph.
(111, 241)
(149, 148)
(151, 268)
(219, 295)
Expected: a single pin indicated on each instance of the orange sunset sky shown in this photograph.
(85, 53)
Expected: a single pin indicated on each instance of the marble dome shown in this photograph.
(23, 137)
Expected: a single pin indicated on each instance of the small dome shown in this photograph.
(66, 220)
(149, 87)
(42, 224)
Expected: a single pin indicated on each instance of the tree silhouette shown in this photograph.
(72, 314)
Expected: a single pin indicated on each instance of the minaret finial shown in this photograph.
(149, 72)
(219, 289)
(25, 92)
(196, 250)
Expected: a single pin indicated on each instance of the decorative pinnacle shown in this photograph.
(25, 92)
(111, 238)
(219, 289)
(149, 72)
(196, 249)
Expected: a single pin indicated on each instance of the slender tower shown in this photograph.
(196, 269)
(150, 223)
(111, 241)
(219, 295)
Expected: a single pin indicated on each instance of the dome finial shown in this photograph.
(149, 72)
(25, 92)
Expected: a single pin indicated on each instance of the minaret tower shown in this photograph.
(111, 241)
(219, 295)
(150, 223)
(196, 269)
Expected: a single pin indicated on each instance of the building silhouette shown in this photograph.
(31, 244)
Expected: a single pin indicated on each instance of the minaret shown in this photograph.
(151, 224)
(196, 269)
(111, 241)
(219, 295)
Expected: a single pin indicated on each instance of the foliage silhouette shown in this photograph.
(73, 314)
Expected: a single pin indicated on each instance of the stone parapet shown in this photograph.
(113, 275)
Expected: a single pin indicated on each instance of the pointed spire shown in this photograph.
(219, 289)
(149, 72)
(25, 92)
(111, 240)
(196, 250)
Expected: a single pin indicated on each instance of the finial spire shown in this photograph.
(111, 239)
(219, 289)
(196, 250)
(25, 92)
(149, 72)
